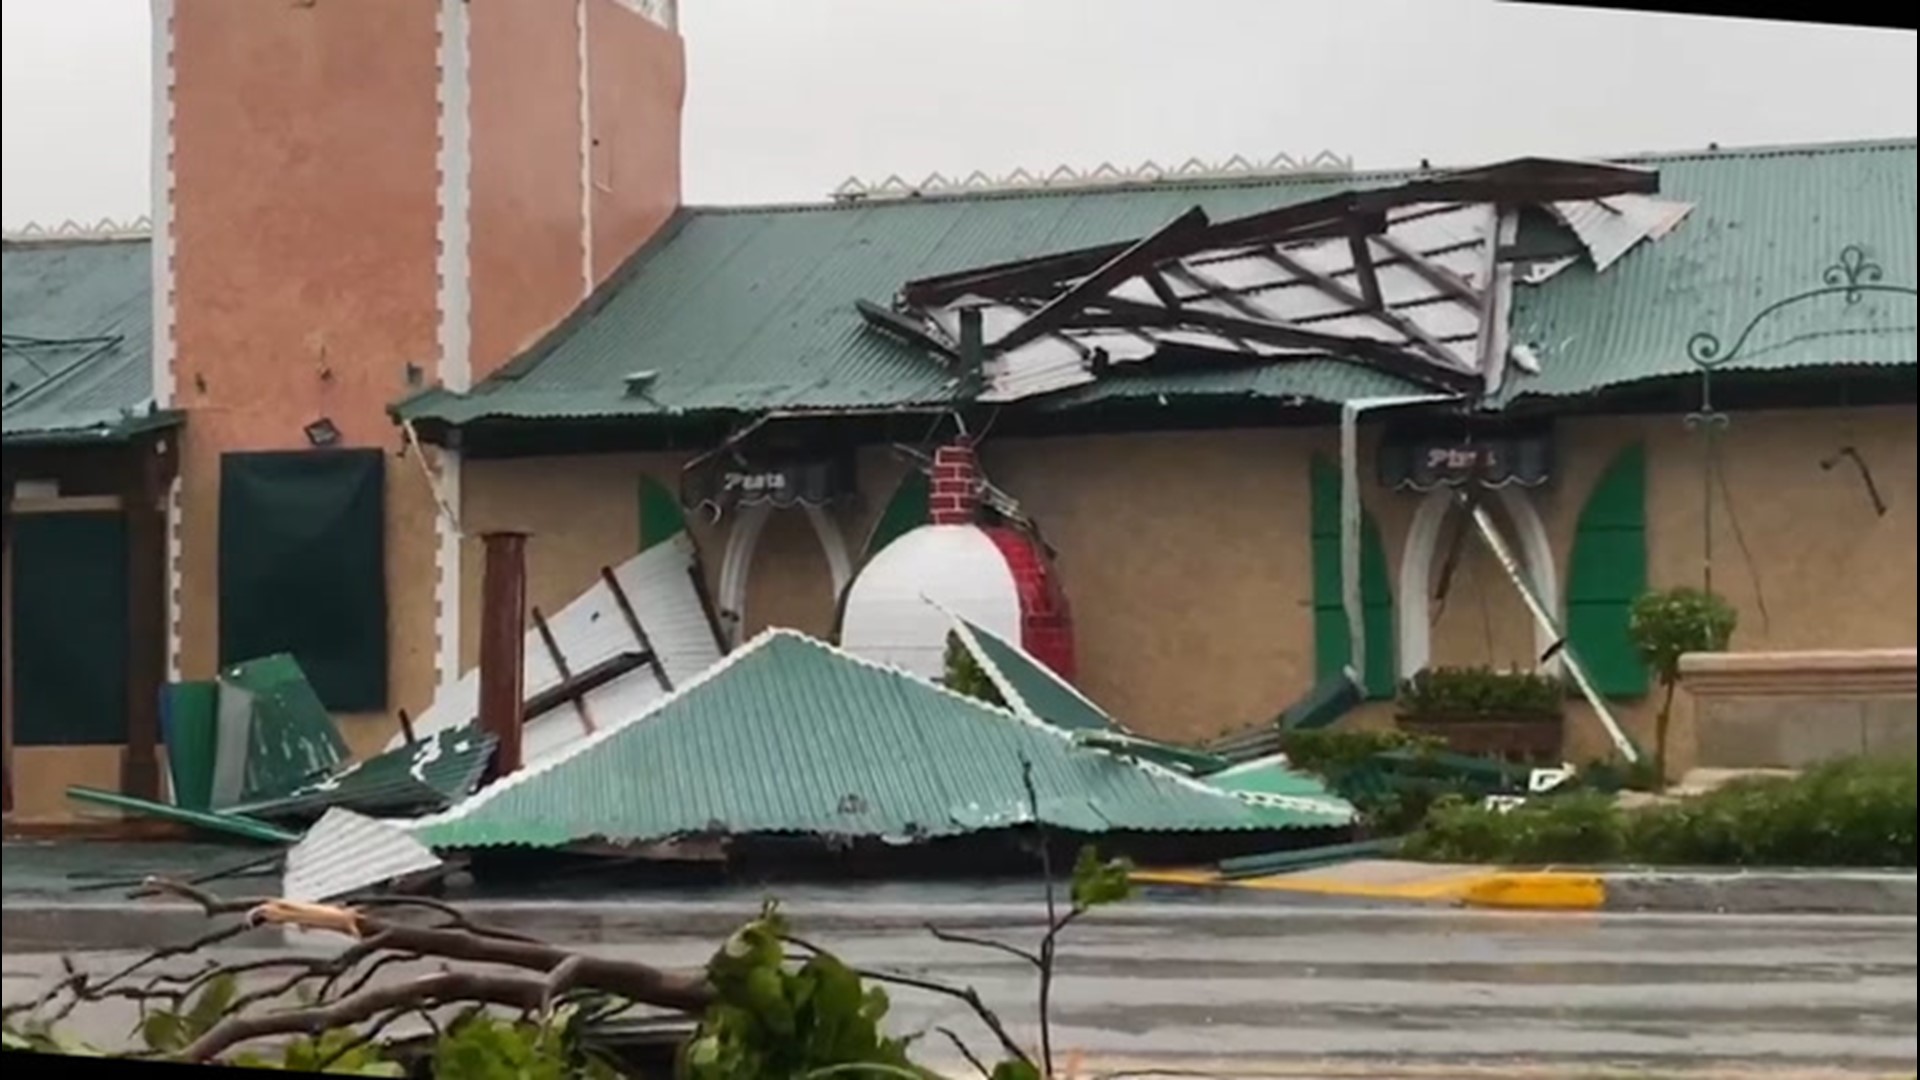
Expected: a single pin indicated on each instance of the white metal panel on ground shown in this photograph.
(659, 584)
(345, 852)
(897, 609)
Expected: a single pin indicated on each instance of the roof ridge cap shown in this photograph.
(72, 231)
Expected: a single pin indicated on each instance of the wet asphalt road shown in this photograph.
(1304, 983)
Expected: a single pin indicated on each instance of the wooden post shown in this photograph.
(144, 507)
(503, 629)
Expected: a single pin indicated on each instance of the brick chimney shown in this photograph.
(956, 485)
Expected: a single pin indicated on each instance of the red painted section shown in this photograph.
(954, 498)
(527, 250)
(1046, 624)
(638, 75)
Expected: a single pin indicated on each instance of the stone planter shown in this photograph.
(1532, 738)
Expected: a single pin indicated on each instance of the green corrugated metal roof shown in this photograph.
(789, 735)
(748, 309)
(1028, 687)
(78, 322)
(1765, 225)
(438, 770)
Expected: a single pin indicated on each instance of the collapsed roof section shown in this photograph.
(1415, 280)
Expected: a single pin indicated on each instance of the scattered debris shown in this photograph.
(345, 852)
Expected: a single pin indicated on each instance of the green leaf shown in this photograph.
(1016, 1070)
(211, 1006)
(164, 1032)
(1096, 883)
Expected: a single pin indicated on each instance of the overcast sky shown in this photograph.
(787, 98)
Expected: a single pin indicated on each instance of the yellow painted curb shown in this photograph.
(1438, 886)
(1544, 891)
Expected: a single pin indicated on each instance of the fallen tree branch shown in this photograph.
(441, 989)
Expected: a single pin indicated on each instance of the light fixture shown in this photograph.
(322, 433)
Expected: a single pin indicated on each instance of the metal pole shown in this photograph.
(503, 631)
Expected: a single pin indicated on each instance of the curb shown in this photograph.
(1537, 891)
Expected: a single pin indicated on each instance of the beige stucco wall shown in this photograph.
(1187, 559)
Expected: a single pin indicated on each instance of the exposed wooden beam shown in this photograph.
(560, 664)
(150, 473)
(910, 330)
(581, 685)
(1135, 259)
(639, 631)
(1362, 253)
(1446, 281)
(1400, 324)
(1158, 283)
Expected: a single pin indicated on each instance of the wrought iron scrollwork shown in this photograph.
(1851, 277)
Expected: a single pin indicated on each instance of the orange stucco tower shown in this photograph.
(356, 199)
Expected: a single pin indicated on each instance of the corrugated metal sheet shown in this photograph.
(1028, 686)
(751, 309)
(1270, 783)
(1765, 225)
(441, 769)
(291, 739)
(658, 582)
(790, 735)
(78, 323)
(345, 852)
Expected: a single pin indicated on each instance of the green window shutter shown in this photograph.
(1607, 573)
(660, 516)
(1330, 644)
(905, 511)
(69, 636)
(303, 568)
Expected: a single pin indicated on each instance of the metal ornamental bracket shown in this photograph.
(1851, 277)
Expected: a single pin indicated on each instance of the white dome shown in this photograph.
(888, 618)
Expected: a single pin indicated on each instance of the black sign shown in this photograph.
(1429, 462)
(727, 481)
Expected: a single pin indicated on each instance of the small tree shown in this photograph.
(1667, 625)
(965, 676)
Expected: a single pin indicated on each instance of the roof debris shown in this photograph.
(1412, 280)
(639, 629)
(789, 735)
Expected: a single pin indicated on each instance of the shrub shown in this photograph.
(1847, 813)
(1667, 625)
(965, 676)
(1456, 692)
(1344, 760)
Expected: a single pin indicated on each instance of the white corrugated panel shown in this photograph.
(1611, 227)
(345, 852)
(659, 584)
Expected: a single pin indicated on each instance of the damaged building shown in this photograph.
(1187, 442)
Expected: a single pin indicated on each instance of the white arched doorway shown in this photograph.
(744, 539)
(1416, 573)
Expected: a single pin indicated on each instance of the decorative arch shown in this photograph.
(1416, 573)
(744, 539)
(1607, 573)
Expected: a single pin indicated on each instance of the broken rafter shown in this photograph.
(1129, 263)
(579, 686)
(1415, 335)
(633, 624)
(909, 330)
(1363, 268)
(560, 664)
(1446, 281)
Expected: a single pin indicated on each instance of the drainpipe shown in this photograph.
(503, 630)
(1350, 515)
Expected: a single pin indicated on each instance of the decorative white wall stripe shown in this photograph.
(160, 227)
(586, 150)
(456, 167)
(446, 588)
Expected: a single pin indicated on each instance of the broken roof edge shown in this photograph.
(970, 634)
(119, 432)
(758, 643)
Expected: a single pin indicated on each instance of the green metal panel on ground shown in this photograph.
(77, 356)
(750, 309)
(441, 769)
(1332, 649)
(191, 712)
(1607, 573)
(661, 518)
(291, 740)
(1029, 687)
(231, 824)
(303, 568)
(791, 736)
(69, 637)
